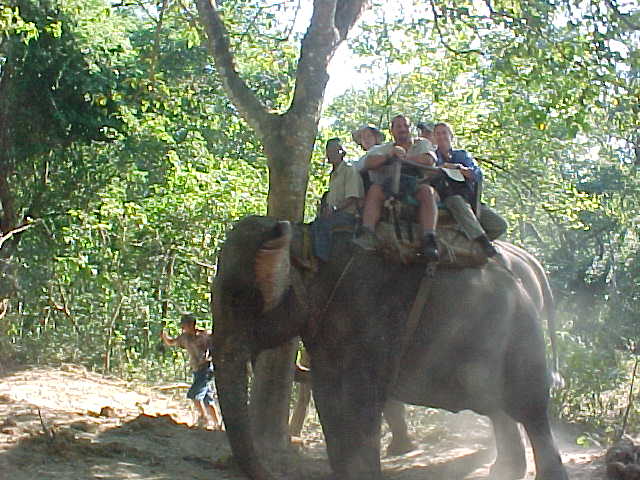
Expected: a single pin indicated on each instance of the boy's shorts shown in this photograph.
(202, 388)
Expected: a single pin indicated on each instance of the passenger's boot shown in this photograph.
(430, 248)
(488, 247)
(367, 239)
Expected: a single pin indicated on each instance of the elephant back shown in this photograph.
(401, 242)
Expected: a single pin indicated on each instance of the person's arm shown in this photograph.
(347, 202)
(378, 156)
(468, 168)
(427, 159)
(353, 189)
(205, 344)
(374, 162)
(422, 153)
(170, 341)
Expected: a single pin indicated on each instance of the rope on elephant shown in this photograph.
(313, 321)
(414, 318)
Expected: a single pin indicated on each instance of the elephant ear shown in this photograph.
(272, 265)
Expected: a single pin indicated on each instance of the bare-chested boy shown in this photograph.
(198, 344)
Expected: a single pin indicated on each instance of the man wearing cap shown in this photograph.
(379, 162)
(366, 137)
(197, 342)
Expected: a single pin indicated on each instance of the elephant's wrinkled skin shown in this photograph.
(478, 346)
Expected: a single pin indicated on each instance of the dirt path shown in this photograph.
(68, 423)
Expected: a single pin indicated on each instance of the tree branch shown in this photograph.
(13, 232)
(624, 18)
(436, 24)
(245, 100)
(293, 22)
(330, 24)
(347, 13)
(155, 55)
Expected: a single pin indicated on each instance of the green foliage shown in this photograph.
(116, 260)
(266, 47)
(134, 163)
(11, 23)
(62, 81)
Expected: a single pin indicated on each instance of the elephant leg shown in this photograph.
(363, 405)
(350, 410)
(511, 461)
(394, 414)
(302, 405)
(325, 396)
(300, 411)
(548, 461)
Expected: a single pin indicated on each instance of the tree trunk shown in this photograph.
(273, 374)
(270, 394)
(9, 216)
(288, 142)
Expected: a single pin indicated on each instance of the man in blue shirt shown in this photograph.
(457, 196)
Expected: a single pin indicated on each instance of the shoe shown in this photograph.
(202, 423)
(366, 240)
(487, 247)
(430, 248)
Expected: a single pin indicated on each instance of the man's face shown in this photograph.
(400, 130)
(442, 136)
(424, 133)
(188, 328)
(335, 153)
(368, 139)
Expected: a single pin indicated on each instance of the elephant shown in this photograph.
(478, 345)
(535, 282)
(394, 413)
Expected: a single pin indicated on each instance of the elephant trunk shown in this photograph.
(231, 381)
(272, 266)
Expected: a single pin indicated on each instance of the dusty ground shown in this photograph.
(51, 428)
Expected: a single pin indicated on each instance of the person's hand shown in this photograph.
(399, 152)
(467, 172)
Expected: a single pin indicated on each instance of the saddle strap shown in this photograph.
(417, 308)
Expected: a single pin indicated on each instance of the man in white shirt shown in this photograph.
(379, 162)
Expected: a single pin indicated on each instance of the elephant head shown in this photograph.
(252, 281)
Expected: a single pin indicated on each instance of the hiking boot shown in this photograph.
(488, 247)
(366, 240)
(430, 248)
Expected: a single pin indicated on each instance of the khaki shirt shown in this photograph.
(345, 182)
(379, 175)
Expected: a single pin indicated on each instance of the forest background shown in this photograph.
(123, 162)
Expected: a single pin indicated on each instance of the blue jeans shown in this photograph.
(202, 388)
